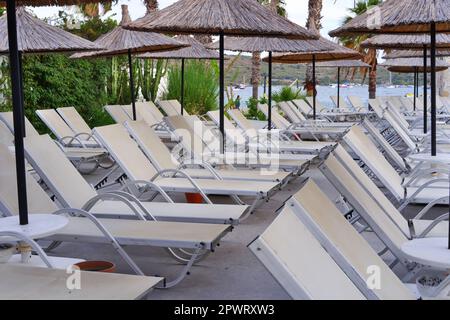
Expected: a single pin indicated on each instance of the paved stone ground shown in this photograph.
(232, 272)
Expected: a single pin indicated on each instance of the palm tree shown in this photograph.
(313, 23)
(151, 5)
(354, 42)
(276, 6)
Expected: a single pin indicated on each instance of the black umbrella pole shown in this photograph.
(133, 100)
(415, 88)
(22, 88)
(338, 87)
(314, 85)
(269, 102)
(425, 91)
(182, 87)
(222, 88)
(17, 111)
(433, 88)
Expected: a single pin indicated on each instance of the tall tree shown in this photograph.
(354, 42)
(313, 23)
(151, 5)
(276, 6)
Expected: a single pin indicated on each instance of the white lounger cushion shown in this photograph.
(24, 283)
(355, 254)
(151, 233)
(74, 119)
(299, 263)
(162, 211)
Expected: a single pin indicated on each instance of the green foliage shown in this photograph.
(91, 29)
(287, 94)
(200, 85)
(252, 109)
(2, 11)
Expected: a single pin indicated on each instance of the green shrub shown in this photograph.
(252, 109)
(287, 94)
(201, 88)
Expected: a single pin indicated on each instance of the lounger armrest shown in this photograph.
(419, 190)
(148, 184)
(425, 173)
(175, 172)
(25, 239)
(105, 232)
(435, 222)
(70, 140)
(204, 165)
(111, 196)
(428, 207)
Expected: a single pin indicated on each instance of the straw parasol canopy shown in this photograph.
(407, 41)
(196, 50)
(36, 36)
(343, 64)
(410, 65)
(333, 51)
(400, 16)
(259, 44)
(414, 54)
(121, 41)
(229, 17)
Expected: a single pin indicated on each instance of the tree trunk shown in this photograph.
(256, 70)
(312, 23)
(373, 83)
(151, 5)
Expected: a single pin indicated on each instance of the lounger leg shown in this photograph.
(184, 271)
(252, 208)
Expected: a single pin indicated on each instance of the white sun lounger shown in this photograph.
(371, 156)
(357, 103)
(117, 113)
(365, 205)
(23, 283)
(72, 191)
(410, 228)
(168, 108)
(137, 167)
(75, 121)
(351, 252)
(308, 147)
(299, 263)
(201, 144)
(161, 158)
(342, 104)
(64, 133)
(79, 156)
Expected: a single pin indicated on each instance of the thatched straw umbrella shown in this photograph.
(415, 54)
(339, 64)
(409, 65)
(122, 41)
(271, 45)
(195, 51)
(406, 17)
(18, 28)
(334, 52)
(244, 18)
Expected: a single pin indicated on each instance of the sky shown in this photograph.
(333, 11)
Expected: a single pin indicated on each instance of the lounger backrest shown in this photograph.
(6, 137)
(400, 131)
(319, 105)
(390, 151)
(372, 157)
(342, 103)
(303, 106)
(277, 119)
(74, 120)
(55, 123)
(371, 188)
(191, 142)
(397, 116)
(168, 108)
(203, 137)
(58, 173)
(7, 118)
(117, 113)
(407, 103)
(356, 102)
(294, 109)
(125, 151)
(364, 205)
(377, 106)
(231, 132)
(241, 120)
(299, 263)
(177, 107)
(38, 200)
(154, 110)
(419, 103)
(128, 109)
(151, 145)
(144, 113)
(352, 252)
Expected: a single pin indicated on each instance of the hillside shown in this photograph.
(285, 73)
